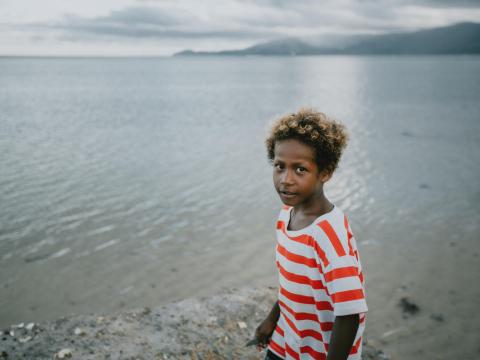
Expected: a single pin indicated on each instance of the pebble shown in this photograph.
(25, 339)
(30, 326)
(389, 333)
(79, 331)
(408, 306)
(437, 317)
(382, 356)
(212, 319)
(63, 354)
(242, 325)
(146, 310)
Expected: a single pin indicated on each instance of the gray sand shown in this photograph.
(216, 327)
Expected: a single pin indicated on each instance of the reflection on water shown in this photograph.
(151, 174)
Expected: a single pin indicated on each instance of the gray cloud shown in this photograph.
(447, 3)
(379, 3)
(143, 16)
(148, 22)
(247, 20)
(330, 16)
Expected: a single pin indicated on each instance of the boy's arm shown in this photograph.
(342, 337)
(266, 328)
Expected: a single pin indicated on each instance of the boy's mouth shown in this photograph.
(287, 193)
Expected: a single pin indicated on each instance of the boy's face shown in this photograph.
(296, 176)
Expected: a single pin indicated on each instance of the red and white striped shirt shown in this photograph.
(320, 277)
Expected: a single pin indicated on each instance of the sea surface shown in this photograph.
(137, 181)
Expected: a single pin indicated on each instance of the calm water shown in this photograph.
(126, 182)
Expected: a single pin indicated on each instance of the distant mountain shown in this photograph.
(280, 47)
(463, 38)
(290, 46)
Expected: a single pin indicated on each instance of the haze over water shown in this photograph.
(129, 182)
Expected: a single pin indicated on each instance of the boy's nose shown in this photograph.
(287, 177)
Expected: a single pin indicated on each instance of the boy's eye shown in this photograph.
(278, 166)
(301, 170)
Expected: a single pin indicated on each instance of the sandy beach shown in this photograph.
(420, 296)
(216, 327)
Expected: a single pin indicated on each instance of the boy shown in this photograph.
(320, 312)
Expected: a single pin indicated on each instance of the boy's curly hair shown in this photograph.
(328, 137)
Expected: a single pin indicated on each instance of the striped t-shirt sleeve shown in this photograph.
(342, 270)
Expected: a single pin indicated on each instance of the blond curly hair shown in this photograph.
(328, 137)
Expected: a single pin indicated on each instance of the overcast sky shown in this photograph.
(162, 27)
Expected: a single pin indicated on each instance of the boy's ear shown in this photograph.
(325, 176)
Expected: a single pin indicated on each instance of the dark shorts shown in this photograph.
(271, 356)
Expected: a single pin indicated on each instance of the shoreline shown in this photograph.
(419, 306)
(213, 327)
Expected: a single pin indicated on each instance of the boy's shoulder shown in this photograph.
(333, 221)
(334, 235)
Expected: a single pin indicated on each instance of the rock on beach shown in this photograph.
(216, 327)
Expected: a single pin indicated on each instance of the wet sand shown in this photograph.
(423, 291)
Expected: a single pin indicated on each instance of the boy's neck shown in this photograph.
(320, 205)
